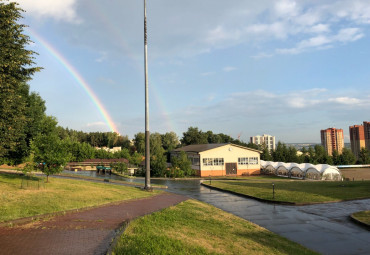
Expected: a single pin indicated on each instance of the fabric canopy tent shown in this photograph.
(304, 170)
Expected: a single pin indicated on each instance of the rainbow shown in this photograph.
(116, 33)
(77, 77)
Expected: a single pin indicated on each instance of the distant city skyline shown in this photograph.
(285, 68)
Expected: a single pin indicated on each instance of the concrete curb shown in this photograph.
(117, 236)
(247, 196)
(279, 202)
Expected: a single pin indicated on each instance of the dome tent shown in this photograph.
(302, 171)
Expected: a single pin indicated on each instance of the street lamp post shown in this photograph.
(147, 133)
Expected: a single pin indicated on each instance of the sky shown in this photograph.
(243, 68)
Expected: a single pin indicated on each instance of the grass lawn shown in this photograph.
(363, 216)
(297, 191)
(193, 227)
(57, 195)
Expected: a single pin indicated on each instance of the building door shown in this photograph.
(231, 168)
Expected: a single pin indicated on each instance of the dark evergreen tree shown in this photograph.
(16, 68)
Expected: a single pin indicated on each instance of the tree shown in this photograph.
(136, 158)
(347, 157)
(120, 167)
(364, 156)
(157, 155)
(181, 165)
(194, 136)
(50, 152)
(170, 141)
(16, 68)
(139, 142)
(265, 155)
(336, 158)
(280, 153)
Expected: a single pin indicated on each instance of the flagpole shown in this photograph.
(147, 133)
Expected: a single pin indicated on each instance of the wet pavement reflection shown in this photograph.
(324, 228)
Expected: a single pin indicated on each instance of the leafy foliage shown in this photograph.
(50, 152)
(16, 68)
(181, 166)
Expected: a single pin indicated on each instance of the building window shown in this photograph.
(243, 161)
(208, 162)
(196, 161)
(213, 162)
(218, 161)
(253, 160)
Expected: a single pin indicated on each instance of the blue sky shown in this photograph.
(285, 68)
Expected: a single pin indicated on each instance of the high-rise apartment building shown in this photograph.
(332, 139)
(268, 140)
(367, 134)
(357, 136)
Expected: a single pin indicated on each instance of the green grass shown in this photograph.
(297, 191)
(363, 216)
(193, 227)
(57, 195)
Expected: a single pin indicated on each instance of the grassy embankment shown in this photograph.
(193, 227)
(363, 216)
(296, 191)
(57, 195)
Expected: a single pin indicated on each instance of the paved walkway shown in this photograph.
(86, 232)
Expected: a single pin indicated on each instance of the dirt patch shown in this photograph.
(357, 174)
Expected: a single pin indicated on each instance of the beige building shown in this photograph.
(332, 140)
(222, 159)
(357, 136)
(367, 134)
(267, 140)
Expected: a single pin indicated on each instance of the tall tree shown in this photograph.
(139, 142)
(194, 136)
(16, 68)
(48, 149)
(157, 155)
(170, 141)
(364, 156)
(347, 157)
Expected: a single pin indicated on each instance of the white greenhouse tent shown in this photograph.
(301, 171)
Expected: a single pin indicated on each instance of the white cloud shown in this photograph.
(190, 28)
(324, 42)
(57, 9)
(207, 73)
(229, 68)
(277, 29)
(319, 28)
(349, 35)
(258, 103)
(346, 100)
(286, 8)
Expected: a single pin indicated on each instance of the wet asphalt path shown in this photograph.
(324, 228)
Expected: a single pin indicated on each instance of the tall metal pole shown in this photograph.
(147, 133)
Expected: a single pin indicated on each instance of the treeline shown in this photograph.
(95, 139)
(314, 155)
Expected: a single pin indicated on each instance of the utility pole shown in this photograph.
(147, 133)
